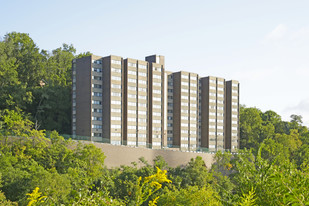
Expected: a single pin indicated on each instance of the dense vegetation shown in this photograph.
(39, 167)
(24, 68)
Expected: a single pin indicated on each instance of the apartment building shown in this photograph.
(212, 112)
(138, 103)
(232, 115)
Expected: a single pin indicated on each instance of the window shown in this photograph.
(97, 69)
(142, 104)
(184, 117)
(116, 94)
(96, 126)
(116, 78)
(156, 76)
(97, 134)
(193, 85)
(114, 142)
(96, 102)
(142, 97)
(142, 135)
(131, 80)
(140, 89)
(220, 89)
(131, 64)
(156, 106)
(184, 76)
(131, 103)
(170, 90)
(234, 84)
(142, 82)
(97, 94)
(96, 77)
(155, 121)
(116, 126)
(116, 102)
(116, 70)
(193, 91)
(184, 97)
(97, 61)
(184, 83)
(141, 128)
(193, 78)
(115, 118)
(184, 124)
(170, 84)
(97, 110)
(116, 110)
(131, 143)
(156, 84)
(184, 90)
(96, 85)
(220, 102)
(156, 99)
(116, 86)
(132, 127)
(212, 81)
(155, 91)
(142, 66)
(132, 96)
(156, 143)
(142, 112)
(220, 83)
(184, 145)
(130, 119)
(192, 98)
(192, 105)
(156, 113)
(142, 120)
(184, 111)
(142, 74)
(156, 128)
(184, 103)
(115, 61)
(131, 88)
(170, 118)
(212, 87)
(97, 118)
(169, 124)
(169, 104)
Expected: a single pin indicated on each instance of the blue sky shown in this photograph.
(263, 44)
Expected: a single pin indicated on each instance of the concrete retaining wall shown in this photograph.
(125, 155)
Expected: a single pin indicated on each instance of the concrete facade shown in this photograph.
(140, 104)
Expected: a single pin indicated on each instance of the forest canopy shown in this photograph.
(39, 167)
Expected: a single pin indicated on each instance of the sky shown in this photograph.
(263, 44)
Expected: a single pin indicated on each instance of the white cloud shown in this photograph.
(278, 33)
(302, 108)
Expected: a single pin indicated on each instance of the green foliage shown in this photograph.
(192, 195)
(23, 66)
